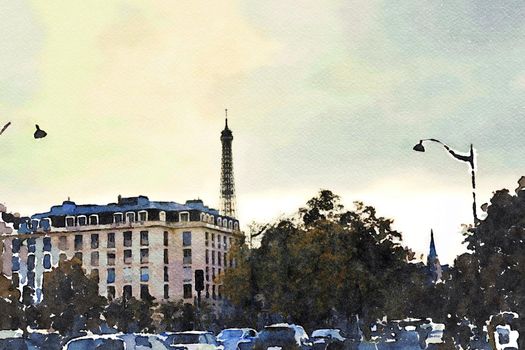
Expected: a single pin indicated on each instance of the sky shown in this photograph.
(321, 95)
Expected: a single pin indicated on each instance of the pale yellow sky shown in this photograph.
(329, 94)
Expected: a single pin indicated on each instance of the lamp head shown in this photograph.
(419, 147)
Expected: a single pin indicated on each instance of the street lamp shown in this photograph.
(469, 159)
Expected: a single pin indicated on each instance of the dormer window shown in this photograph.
(219, 221)
(210, 219)
(143, 215)
(162, 216)
(117, 218)
(184, 217)
(236, 226)
(230, 224)
(93, 219)
(203, 217)
(46, 224)
(130, 217)
(82, 220)
(70, 221)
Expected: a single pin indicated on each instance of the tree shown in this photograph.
(71, 299)
(329, 266)
(11, 316)
(130, 315)
(490, 280)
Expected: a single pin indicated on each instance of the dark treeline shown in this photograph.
(333, 267)
(325, 267)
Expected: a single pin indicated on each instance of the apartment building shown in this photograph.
(134, 247)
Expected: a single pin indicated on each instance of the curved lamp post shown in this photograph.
(469, 159)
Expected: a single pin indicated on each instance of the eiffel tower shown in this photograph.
(227, 182)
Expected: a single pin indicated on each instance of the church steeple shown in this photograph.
(433, 265)
(227, 181)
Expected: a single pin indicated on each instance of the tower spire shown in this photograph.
(433, 265)
(227, 181)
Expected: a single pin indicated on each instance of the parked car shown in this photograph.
(237, 338)
(283, 336)
(194, 340)
(327, 338)
(116, 342)
(44, 340)
(12, 340)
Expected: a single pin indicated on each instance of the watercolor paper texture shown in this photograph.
(338, 194)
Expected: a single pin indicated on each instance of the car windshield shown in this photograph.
(187, 339)
(98, 344)
(325, 333)
(282, 333)
(230, 334)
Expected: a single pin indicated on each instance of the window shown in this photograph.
(79, 256)
(219, 272)
(111, 240)
(62, 243)
(213, 295)
(130, 217)
(94, 241)
(219, 221)
(187, 256)
(47, 261)
(70, 221)
(111, 259)
(15, 263)
(127, 239)
(166, 274)
(220, 292)
(225, 244)
(219, 241)
(144, 274)
(47, 244)
(144, 292)
(127, 256)
(78, 242)
(207, 273)
(207, 256)
(111, 292)
(126, 274)
(93, 219)
(46, 224)
(117, 218)
(230, 224)
(82, 220)
(15, 279)
(211, 219)
(224, 261)
(143, 215)
(16, 245)
(94, 275)
(166, 291)
(213, 273)
(62, 257)
(207, 290)
(31, 262)
(166, 238)
(206, 234)
(186, 274)
(94, 258)
(127, 292)
(184, 217)
(186, 239)
(213, 257)
(31, 245)
(219, 258)
(144, 256)
(213, 240)
(187, 291)
(144, 238)
(236, 226)
(225, 223)
(31, 279)
(162, 216)
(166, 260)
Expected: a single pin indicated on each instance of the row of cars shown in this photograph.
(278, 336)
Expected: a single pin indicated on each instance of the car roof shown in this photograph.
(193, 332)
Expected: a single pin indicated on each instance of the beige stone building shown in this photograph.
(135, 247)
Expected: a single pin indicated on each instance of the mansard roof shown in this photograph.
(124, 204)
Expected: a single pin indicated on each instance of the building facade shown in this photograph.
(134, 247)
